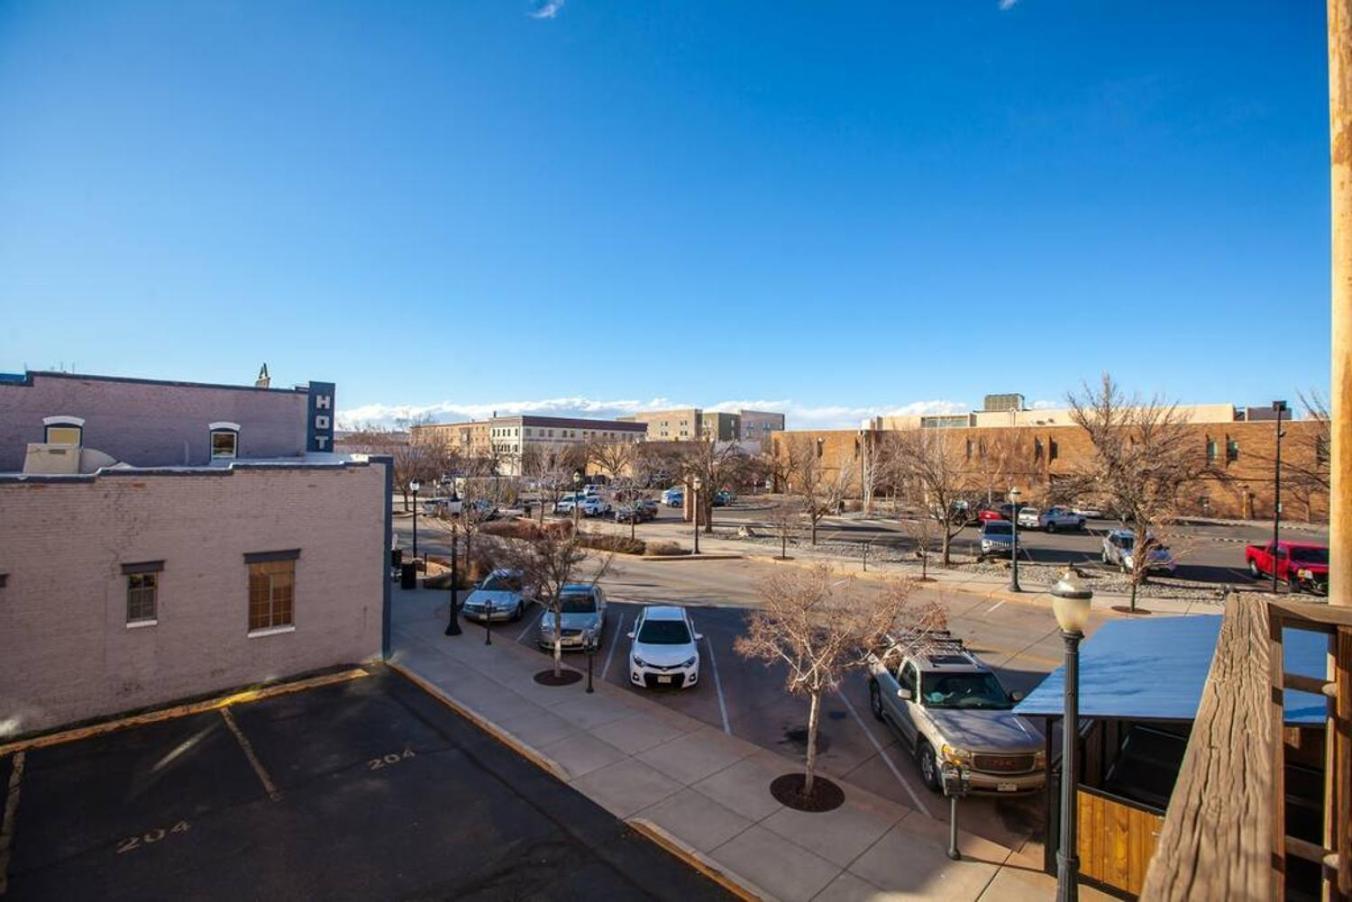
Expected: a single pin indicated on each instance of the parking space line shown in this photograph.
(878, 746)
(718, 684)
(993, 608)
(7, 821)
(248, 750)
(530, 623)
(614, 641)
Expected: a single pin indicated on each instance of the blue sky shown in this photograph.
(840, 208)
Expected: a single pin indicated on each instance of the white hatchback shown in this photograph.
(664, 651)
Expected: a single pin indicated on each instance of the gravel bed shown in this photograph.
(1092, 574)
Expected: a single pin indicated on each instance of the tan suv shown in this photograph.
(948, 706)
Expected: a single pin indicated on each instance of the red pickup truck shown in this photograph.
(1302, 565)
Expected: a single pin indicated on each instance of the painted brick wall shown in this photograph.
(66, 650)
(150, 424)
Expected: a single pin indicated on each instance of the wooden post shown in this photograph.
(1340, 160)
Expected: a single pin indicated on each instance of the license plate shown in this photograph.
(664, 679)
(1007, 787)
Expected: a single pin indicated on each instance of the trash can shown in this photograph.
(408, 576)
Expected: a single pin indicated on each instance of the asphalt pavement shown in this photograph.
(365, 789)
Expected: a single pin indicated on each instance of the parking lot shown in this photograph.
(748, 699)
(367, 788)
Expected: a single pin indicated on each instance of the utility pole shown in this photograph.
(1278, 408)
(1340, 420)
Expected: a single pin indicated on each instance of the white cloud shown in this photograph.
(1007, 4)
(798, 416)
(1046, 405)
(547, 9)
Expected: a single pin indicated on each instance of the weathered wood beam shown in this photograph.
(1218, 837)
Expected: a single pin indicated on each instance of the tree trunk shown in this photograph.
(405, 494)
(814, 529)
(1133, 597)
(633, 524)
(783, 546)
(558, 643)
(810, 766)
(948, 544)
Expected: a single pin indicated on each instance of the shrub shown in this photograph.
(617, 543)
(663, 549)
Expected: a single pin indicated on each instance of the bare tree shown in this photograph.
(625, 465)
(785, 517)
(931, 473)
(819, 626)
(1144, 455)
(717, 465)
(476, 509)
(819, 489)
(426, 458)
(549, 562)
(551, 469)
(921, 532)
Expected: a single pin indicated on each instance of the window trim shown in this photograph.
(273, 625)
(147, 570)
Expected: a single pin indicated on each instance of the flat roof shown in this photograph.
(1156, 668)
(26, 378)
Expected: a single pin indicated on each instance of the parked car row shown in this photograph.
(640, 511)
(663, 651)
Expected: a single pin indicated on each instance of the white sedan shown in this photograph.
(664, 652)
(1052, 519)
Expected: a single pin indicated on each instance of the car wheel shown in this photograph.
(519, 612)
(1104, 555)
(929, 767)
(1080, 525)
(1051, 527)
(1253, 570)
(1123, 566)
(875, 699)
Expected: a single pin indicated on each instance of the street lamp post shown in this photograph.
(1071, 605)
(453, 628)
(1279, 408)
(694, 508)
(1014, 540)
(577, 507)
(413, 487)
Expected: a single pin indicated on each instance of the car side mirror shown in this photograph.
(699, 637)
(1016, 696)
(631, 635)
(905, 694)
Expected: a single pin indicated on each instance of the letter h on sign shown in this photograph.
(319, 430)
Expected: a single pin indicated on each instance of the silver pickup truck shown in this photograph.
(948, 706)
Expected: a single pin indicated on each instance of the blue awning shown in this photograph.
(1154, 669)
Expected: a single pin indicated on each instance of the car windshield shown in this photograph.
(664, 632)
(502, 582)
(578, 603)
(1126, 541)
(997, 529)
(1310, 555)
(965, 690)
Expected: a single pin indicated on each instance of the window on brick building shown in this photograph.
(1211, 450)
(1037, 449)
(224, 441)
(272, 588)
(142, 592)
(1053, 451)
(969, 449)
(1231, 450)
(63, 431)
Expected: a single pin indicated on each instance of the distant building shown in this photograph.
(721, 427)
(161, 540)
(509, 440)
(680, 424)
(757, 425)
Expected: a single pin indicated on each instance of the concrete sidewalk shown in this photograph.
(695, 787)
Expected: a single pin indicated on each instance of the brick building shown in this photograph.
(506, 440)
(127, 583)
(1240, 454)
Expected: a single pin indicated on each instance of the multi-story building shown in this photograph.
(758, 425)
(161, 540)
(680, 424)
(1034, 449)
(721, 427)
(510, 440)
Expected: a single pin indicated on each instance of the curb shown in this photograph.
(211, 704)
(730, 881)
(507, 738)
(691, 557)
